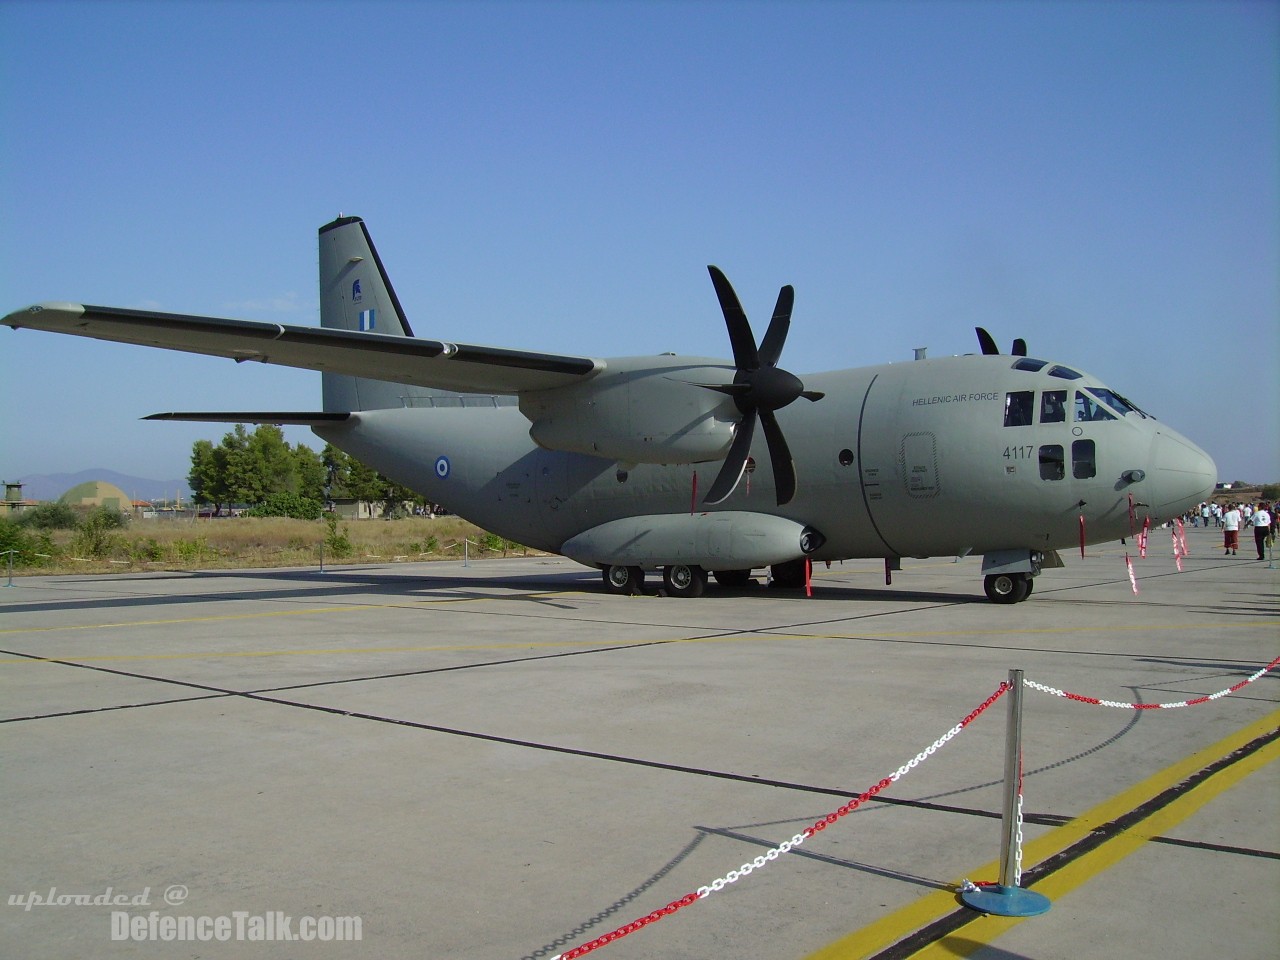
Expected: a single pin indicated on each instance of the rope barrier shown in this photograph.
(1196, 701)
(765, 858)
(774, 853)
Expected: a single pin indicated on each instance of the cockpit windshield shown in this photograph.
(1116, 402)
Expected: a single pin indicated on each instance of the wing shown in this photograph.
(425, 363)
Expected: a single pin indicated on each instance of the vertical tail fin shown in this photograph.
(355, 294)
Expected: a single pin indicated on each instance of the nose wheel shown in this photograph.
(1007, 587)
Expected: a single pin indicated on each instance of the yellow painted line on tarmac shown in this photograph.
(354, 608)
(883, 933)
(163, 623)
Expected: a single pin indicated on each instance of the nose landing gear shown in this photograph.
(1007, 587)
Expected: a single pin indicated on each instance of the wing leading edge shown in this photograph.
(425, 363)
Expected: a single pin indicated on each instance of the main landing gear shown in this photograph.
(679, 579)
(1007, 587)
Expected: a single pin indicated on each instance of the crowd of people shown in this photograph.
(1230, 517)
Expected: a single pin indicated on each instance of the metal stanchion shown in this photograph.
(10, 553)
(1006, 898)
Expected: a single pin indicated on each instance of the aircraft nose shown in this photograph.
(1185, 474)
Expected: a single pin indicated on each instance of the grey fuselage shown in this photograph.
(902, 460)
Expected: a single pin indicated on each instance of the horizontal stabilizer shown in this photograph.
(281, 419)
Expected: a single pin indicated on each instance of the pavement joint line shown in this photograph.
(260, 694)
(1176, 792)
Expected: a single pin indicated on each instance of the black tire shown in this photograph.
(788, 576)
(1007, 587)
(732, 579)
(684, 580)
(624, 580)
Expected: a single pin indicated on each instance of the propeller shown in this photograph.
(759, 388)
(988, 344)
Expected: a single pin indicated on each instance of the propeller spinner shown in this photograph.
(759, 388)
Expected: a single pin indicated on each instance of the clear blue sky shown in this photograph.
(1099, 178)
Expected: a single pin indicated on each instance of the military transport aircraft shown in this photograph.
(606, 460)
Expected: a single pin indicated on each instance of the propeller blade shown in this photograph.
(743, 341)
(734, 464)
(1019, 348)
(813, 396)
(784, 470)
(776, 335)
(986, 342)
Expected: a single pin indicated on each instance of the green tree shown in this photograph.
(207, 476)
(310, 471)
(250, 467)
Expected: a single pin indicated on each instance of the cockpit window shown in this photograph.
(1063, 373)
(1116, 402)
(1053, 406)
(1030, 364)
(1018, 405)
(1089, 409)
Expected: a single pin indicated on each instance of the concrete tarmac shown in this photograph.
(500, 760)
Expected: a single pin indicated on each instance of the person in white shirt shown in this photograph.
(1231, 531)
(1261, 523)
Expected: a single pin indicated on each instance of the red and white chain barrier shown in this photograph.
(765, 858)
(1196, 701)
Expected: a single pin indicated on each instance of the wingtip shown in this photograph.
(48, 310)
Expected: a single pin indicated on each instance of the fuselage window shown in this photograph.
(1089, 409)
(1018, 405)
(1053, 464)
(1030, 364)
(1053, 406)
(1084, 466)
(1063, 373)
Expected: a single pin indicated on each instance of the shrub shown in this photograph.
(94, 537)
(13, 537)
(50, 516)
(287, 505)
(337, 543)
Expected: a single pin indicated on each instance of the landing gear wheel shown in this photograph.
(684, 580)
(788, 575)
(626, 580)
(732, 579)
(1007, 587)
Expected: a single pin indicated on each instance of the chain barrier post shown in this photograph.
(1006, 898)
(10, 553)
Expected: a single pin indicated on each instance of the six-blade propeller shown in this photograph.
(759, 388)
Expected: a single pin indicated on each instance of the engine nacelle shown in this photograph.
(640, 410)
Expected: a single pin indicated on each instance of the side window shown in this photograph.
(1018, 405)
(1053, 406)
(1084, 466)
(1053, 464)
(1089, 409)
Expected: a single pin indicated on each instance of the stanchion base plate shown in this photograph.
(1006, 901)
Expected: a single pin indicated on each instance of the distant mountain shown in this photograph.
(50, 486)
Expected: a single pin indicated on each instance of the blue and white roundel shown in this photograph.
(442, 468)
